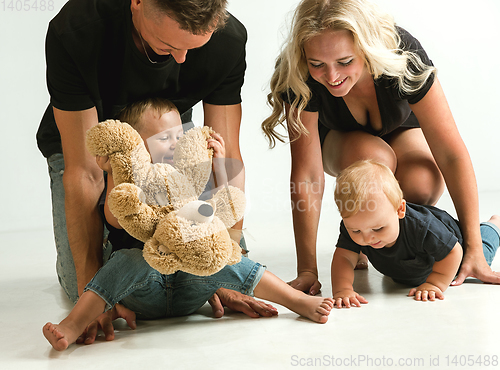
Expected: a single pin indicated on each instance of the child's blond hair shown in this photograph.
(133, 113)
(357, 183)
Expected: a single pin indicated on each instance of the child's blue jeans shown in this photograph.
(490, 234)
(128, 279)
(65, 266)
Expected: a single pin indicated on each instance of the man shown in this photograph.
(104, 54)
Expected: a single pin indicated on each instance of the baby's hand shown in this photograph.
(348, 298)
(216, 142)
(104, 163)
(425, 292)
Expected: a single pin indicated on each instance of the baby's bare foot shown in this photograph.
(58, 336)
(315, 308)
(495, 219)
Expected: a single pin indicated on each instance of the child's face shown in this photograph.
(161, 135)
(377, 225)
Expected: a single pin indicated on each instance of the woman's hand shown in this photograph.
(474, 265)
(306, 282)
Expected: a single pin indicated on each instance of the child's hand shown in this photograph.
(348, 298)
(104, 163)
(216, 142)
(425, 292)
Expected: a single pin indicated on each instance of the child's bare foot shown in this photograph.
(59, 336)
(495, 219)
(362, 263)
(315, 308)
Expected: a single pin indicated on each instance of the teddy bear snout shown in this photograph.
(197, 211)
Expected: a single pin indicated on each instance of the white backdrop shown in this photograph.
(460, 37)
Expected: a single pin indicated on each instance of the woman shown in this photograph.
(352, 85)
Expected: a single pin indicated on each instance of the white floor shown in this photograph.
(391, 330)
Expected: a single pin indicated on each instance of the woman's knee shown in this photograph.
(422, 182)
(340, 150)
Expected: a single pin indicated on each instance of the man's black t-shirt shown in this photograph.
(92, 61)
(427, 234)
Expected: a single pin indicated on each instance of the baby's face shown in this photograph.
(377, 224)
(161, 135)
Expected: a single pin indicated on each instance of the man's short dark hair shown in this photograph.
(195, 16)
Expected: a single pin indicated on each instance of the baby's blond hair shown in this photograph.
(357, 183)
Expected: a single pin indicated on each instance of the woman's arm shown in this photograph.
(452, 157)
(307, 182)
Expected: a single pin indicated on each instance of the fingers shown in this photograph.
(316, 288)
(460, 278)
(262, 308)
(347, 302)
(307, 283)
(124, 313)
(219, 138)
(91, 334)
(239, 302)
(107, 328)
(217, 308)
(425, 295)
(217, 144)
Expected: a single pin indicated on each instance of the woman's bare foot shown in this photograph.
(314, 308)
(59, 336)
(362, 263)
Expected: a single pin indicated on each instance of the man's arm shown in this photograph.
(83, 185)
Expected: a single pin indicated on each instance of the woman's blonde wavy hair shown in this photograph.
(375, 36)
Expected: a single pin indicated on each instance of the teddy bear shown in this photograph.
(159, 203)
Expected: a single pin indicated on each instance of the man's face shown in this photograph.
(163, 34)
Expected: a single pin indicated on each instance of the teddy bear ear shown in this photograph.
(229, 204)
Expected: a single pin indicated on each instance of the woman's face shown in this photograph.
(333, 61)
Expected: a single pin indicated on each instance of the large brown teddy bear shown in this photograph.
(158, 203)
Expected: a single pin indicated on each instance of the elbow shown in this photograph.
(78, 177)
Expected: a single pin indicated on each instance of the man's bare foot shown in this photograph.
(59, 336)
(314, 308)
(362, 263)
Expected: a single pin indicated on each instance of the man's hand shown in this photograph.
(474, 265)
(239, 302)
(306, 282)
(348, 298)
(426, 292)
(105, 322)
